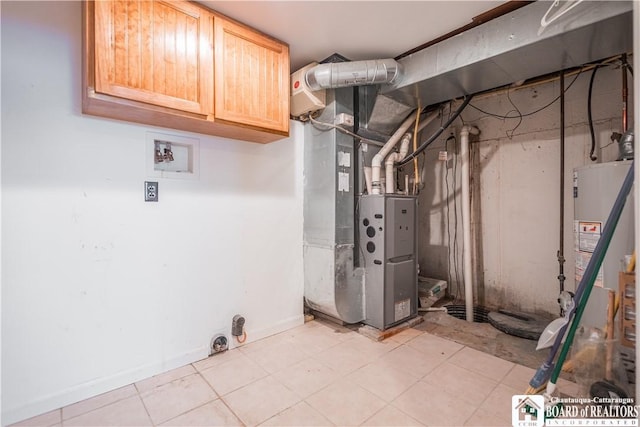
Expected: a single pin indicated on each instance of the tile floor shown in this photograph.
(317, 375)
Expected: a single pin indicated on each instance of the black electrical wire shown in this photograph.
(589, 115)
(521, 115)
(437, 133)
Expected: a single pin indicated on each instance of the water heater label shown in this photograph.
(586, 236)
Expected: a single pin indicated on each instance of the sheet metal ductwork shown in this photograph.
(508, 49)
(512, 48)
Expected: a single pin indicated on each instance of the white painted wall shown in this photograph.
(519, 180)
(101, 289)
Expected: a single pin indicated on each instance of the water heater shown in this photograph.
(595, 188)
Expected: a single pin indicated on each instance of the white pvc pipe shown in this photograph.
(391, 160)
(376, 162)
(466, 219)
(367, 178)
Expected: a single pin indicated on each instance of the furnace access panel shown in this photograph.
(388, 227)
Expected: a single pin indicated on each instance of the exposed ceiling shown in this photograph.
(355, 29)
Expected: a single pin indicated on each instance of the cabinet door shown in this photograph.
(251, 78)
(157, 52)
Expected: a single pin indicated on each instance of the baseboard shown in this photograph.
(98, 386)
(102, 385)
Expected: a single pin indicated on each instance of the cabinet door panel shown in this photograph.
(251, 78)
(155, 52)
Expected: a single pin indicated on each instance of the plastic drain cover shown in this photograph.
(523, 325)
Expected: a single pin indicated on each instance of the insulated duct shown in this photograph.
(356, 73)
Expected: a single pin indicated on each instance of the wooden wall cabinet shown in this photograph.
(177, 64)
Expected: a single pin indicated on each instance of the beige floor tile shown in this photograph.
(518, 377)
(485, 418)
(307, 377)
(344, 358)
(167, 377)
(482, 363)
(301, 414)
(383, 380)
(216, 359)
(44, 420)
(260, 400)
(371, 347)
(498, 402)
(406, 335)
(127, 412)
(390, 416)
(345, 403)
(434, 346)
(468, 386)
(341, 332)
(98, 401)
(412, 361)
(430, 405)
(277, 357)
(234, 374)
(177, 397)
(318, 339)
(263, 343)
(214, 413)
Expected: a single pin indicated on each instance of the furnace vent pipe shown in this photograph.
(466, 219)
(356, 73)
(392, 159)
(376, 162)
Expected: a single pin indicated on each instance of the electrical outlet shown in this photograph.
(344, 119)
(151, 191)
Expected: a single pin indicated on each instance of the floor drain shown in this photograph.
(459, 311)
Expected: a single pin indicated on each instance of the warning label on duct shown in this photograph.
(344, 159)
(586, 234)
(402, 309)
(343, 181)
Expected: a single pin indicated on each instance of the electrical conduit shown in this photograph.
(466, 218)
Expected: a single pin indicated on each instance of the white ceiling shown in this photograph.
(355, 29)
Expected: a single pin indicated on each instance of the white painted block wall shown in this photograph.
(99, 288)
(518, 175)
